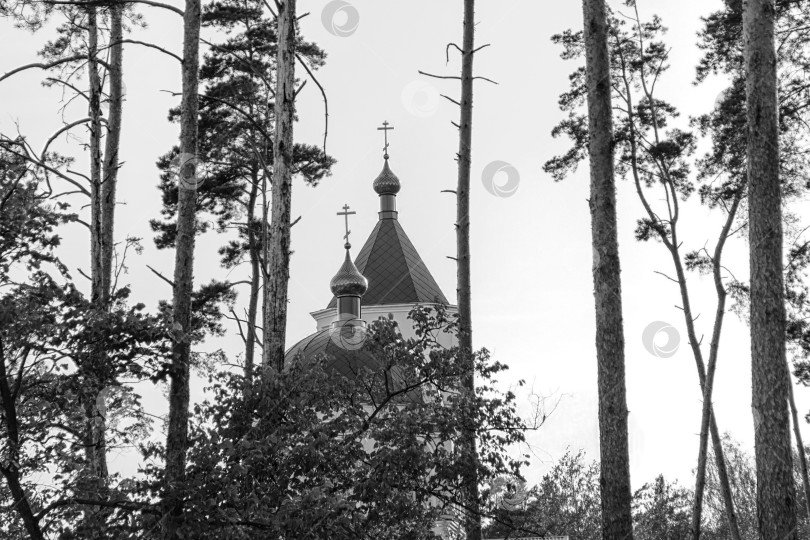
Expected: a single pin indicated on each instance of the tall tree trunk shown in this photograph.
(177, 436)
(617, 523)
(799, 446)
(111, 150)
(95, 451)
(464, 294)
(278, 241)
(776, 504)
(96, 212)
(106, 168)
(254, 249)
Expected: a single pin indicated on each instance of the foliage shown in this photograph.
(742, 469)
(565, 502)
(236, 126)
(649, 148)
(319, 454)
(48, 332)
(661, 511)
(721, 42)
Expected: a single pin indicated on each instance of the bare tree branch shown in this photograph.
(450, 99)
(106, 2)
(161, 276)
(325, 102)
(152, 46)
(49, 65)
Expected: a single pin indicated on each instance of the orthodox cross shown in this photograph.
(346, 214)
(385, 129)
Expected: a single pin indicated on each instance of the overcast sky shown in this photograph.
(531, 254)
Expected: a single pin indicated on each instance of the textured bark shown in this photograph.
(473, 519)
(254, 250)
(111, 149)
(614, 481)
(776, 504)
(105, 169)
(463, 288)
(799, 446)
(94, 437)
(94, 94)
(278, 238)
(177, 436)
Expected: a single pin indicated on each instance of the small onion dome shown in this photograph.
(386, 182)
(348, 281)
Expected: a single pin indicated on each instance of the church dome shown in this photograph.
(342, 359)
(347, 357)
(348, 281)
(386, 182)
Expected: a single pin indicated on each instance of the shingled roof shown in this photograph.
(396, 273)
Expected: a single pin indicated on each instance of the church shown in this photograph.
(387, 280)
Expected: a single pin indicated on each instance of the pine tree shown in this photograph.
(615, 461)
(235, 154)
(177, 435)
(776, 497)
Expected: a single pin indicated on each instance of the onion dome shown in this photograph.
(348, 359)
(348, 281)
(395, 271)
(386, 182)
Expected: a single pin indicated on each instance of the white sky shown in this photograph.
(532, 284)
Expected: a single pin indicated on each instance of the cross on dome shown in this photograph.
(346, 214)
(387, 184)
(385, 129)
(348, 281)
